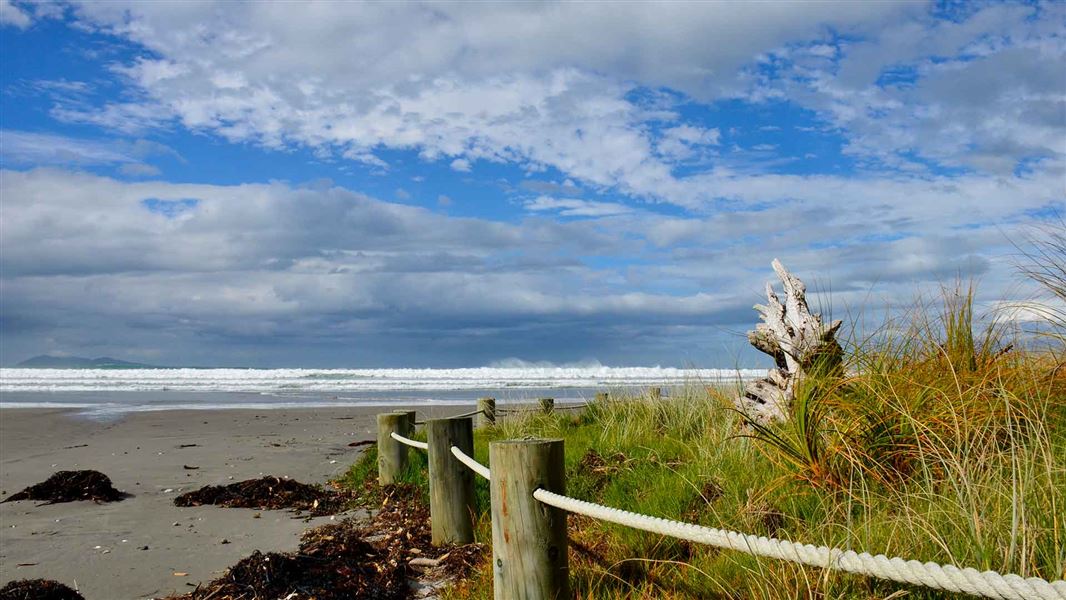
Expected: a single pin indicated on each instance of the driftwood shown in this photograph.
(799, 343)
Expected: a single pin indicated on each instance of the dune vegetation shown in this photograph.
(942, 440)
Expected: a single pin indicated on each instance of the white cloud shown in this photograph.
(571, 207)
(11, 14)
(520, 83)
(465, 87)
(985, 91)
(682, 142)
(139, 170)
(23, 147)
(90, 258)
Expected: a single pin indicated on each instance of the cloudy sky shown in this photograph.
(393, 184)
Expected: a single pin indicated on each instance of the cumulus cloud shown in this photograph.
(461, 85)
(985, 90)
(92, 259)
(955, 125)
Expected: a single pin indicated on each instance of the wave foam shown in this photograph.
(357, 380)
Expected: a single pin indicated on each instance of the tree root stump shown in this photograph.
(800, 345)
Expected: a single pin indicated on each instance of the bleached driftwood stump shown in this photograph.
(799, 343)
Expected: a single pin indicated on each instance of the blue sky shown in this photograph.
(438, 184)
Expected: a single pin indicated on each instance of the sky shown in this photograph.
(334, 184)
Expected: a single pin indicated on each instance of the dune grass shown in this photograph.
(941, 442)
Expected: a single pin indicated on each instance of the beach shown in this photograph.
(144, 546)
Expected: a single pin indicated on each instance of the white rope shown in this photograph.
(409, 442)
(474, 465)
(945, 577)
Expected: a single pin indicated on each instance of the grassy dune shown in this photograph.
(940, 443)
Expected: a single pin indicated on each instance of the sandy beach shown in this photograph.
(134, 548)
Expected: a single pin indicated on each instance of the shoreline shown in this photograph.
(115, 405)
(134, 548)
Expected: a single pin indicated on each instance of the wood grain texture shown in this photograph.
(529, 543)
(487, 416)
(392, 455)
(451, 483)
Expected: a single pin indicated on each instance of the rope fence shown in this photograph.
(988, 584)
(409, 442)
(469, 414)
(473, 465)
(943, 577)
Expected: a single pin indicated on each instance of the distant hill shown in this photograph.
(77, 362)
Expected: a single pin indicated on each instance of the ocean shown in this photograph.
(109, 393)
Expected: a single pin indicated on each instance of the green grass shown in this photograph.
(939, 444)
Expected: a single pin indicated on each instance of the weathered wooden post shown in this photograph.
(392, 455)
(547, 405)
(529, 544)
(656, 393)
(410, 415)
(451, 483)
(487, 416)
(601, 396)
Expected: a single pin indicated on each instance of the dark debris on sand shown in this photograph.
(269, 493)
(334, 562)
(401, 527)
(38, 589)
(68, 486)
(350, 560)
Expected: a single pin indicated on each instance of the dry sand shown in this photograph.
(133, 548)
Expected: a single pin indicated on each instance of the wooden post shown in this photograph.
(547, 405)
(656, 393)
(601, 396)
(487, 416)
(410, 415)
(392, 455)
(451, 483)
(529, 544)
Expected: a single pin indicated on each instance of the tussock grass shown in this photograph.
(941, 441)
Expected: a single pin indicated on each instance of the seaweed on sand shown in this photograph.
(68, 486)
(334, 562)
(268, 493)
(38, 589)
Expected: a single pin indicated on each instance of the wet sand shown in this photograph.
(134, 548)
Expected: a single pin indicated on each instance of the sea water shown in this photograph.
(106, 393)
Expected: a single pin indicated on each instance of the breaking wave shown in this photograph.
(288, 381)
